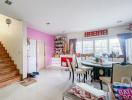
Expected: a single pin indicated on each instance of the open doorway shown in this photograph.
(35, 55)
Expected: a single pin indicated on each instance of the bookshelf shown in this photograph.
(60, 45)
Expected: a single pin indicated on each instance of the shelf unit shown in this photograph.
(60, 45)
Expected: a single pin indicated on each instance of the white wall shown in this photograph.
(24, 71)
(111, 31)
(13, 38)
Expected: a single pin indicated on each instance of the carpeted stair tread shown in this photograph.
(10, 81)
(8, 70)
(6, 76)
(6, 65)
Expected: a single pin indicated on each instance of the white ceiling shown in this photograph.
(69, 15)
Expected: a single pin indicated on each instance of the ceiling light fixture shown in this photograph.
(8, 2)
(119, 21)
(48, 23)
(63, 31)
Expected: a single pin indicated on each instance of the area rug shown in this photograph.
(28, 81)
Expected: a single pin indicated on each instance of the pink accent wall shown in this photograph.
(47, 38)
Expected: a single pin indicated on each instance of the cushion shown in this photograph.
(64, 64)
(119, 89)
(82, 94)
(105, 79)
(125, 94)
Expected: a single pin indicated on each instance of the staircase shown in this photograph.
(8, 71)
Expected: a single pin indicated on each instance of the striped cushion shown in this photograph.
(125, 94)
(118, 86)
(82, 94)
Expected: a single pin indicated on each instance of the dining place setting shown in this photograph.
(104, 71)
(101, 67)
(91, 66)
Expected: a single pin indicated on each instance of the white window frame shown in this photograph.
(82, 45)
(111, 37)
(101, 38)
(87, 40)
(98, 38)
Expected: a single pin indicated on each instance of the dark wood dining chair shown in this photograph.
(87, 69)
(73, 70)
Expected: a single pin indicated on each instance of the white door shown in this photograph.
(40, 55)
(31, 56)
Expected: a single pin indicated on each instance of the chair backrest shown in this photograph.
(86, 56)
(74, 62)
(69, 65)
(126, 80)
(118, 59)
(83, 56)
(120, 71)
(78, 60)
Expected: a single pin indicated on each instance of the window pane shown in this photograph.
(101, 46)
(87, 47)
(79, 47)
(114, 46)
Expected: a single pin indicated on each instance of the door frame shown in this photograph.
(37, 55)
(28, 43)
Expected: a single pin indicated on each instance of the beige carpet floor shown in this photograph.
(50, 85)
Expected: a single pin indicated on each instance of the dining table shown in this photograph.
(100, 69)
